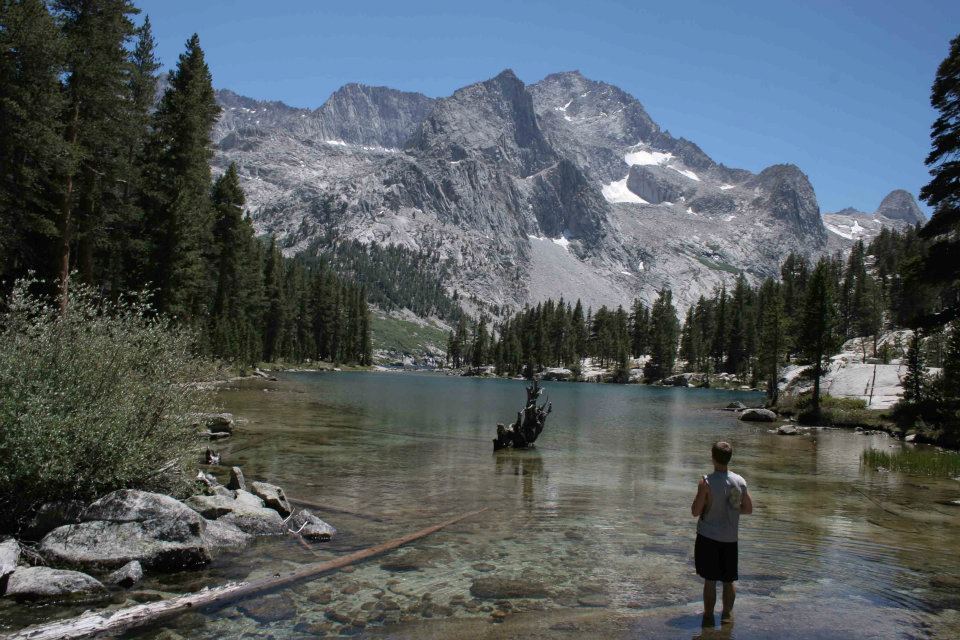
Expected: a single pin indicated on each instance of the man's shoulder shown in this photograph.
(739, 479)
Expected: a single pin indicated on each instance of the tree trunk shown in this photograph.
(64, 224)
(93, 624)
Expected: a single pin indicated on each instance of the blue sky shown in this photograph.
(840, 89)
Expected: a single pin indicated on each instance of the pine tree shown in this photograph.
(178, 192)
(664, 332)
(818, 325)
(97, 99)
(771, 347)
(32, 148)
(916, 381)
(940, 264)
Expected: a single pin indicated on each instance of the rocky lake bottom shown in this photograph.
(587, 535)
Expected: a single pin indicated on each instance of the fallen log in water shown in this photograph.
(92, 624)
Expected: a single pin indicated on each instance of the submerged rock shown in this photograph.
(127, 575)
(271, 608)
(415, 559)
(310, 526)
(30, 583)
(497, 588)
(273, 497)
(758, 415)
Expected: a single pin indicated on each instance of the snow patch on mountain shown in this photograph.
(617, 191)
(647, 157)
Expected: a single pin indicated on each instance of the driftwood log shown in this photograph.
(530, 422)
(89, 625)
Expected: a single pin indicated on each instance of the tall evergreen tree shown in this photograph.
(772, 343)
(915, 382)
(664, 332)
(178, 190)
(940, 264)
(96, 91)
(818, 324)
(32, 148)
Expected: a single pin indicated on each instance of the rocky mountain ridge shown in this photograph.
(898, 210)
(563, 187)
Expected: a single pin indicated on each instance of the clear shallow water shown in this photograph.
(594, 523)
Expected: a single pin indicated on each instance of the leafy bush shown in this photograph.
(834, 411)
(93, 400)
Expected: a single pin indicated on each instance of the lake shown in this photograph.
(592, 529)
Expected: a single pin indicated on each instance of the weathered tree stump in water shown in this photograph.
(530, 422)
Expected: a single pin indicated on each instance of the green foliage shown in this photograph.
(923, 462)
(93, 400)
(833, 411)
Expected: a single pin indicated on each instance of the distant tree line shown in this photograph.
(100, 182)
(395, 277)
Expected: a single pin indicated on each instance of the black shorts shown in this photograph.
(715, 560)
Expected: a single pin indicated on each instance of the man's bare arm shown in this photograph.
(746, 504)
(700, 501)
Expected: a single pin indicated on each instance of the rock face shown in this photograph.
(525, 191)
(31, 583)
(758, 415)
(900, 205)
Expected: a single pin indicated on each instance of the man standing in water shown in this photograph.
(721, 497)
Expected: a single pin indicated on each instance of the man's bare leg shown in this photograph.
(709, 601)
(729, 595)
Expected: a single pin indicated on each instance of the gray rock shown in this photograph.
(248, 499)
(220, 535)
(735, 406)
(127, 575)
(50, 516)
(310, 526)
(9, 556)
(910, 437)
(130, 505)
(236, 479)
(501, 588)
(31, 583)
(256, 522)
(245, 513)
(758, 415)
(787, 430)
(219, 422)
(160, 544)
(273, 497)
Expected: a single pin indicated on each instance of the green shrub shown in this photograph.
(93, 400)
(839, 412)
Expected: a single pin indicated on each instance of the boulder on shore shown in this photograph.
(735, 406)
(758, 415)
(158, 531)
(787, 430)
(157, 544)
(273, 497)
(310, 526)
(32, 583)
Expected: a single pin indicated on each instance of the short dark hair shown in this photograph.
(722, 452)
